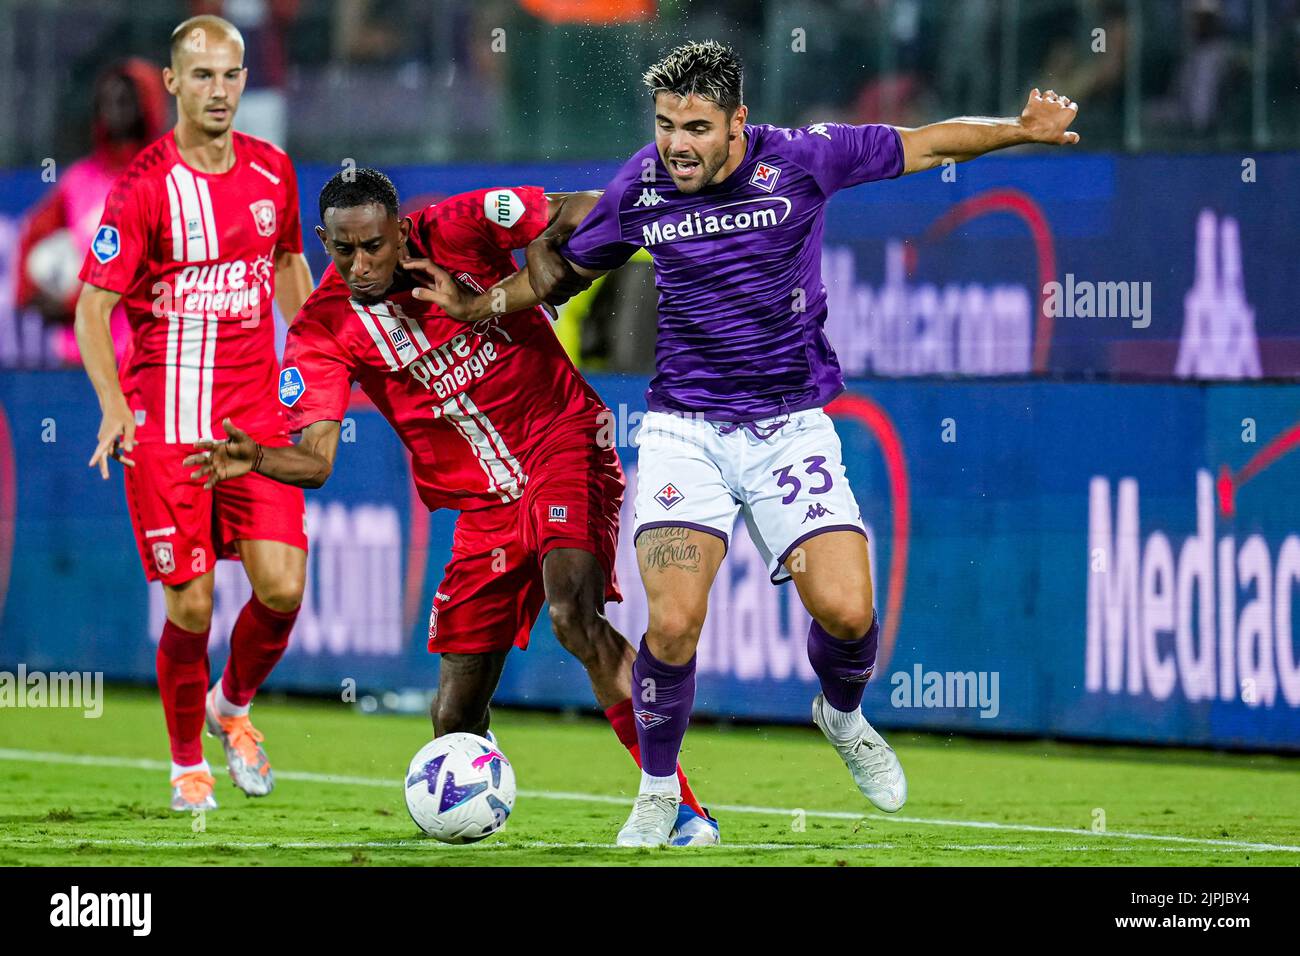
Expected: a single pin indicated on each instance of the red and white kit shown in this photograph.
(193, 256)
(499, 423)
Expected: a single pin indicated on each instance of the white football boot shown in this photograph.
(652, 821)
(871, 761)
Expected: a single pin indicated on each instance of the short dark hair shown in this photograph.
(358, 187)
(708, 69)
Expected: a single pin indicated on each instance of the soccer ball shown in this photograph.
(460, 788)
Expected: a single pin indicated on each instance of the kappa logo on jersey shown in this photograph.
(648, 719)
(668, 496)
(163, 558)
(503, 207)
(819, 129)
(291, 386)
(559, 514)
(765, 177)
(263, 216)
(106, 244)
(649, 197)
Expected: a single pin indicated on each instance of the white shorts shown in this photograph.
(787, 481)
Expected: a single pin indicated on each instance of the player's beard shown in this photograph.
(708, 168)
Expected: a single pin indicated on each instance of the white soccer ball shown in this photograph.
(460, 788)
(53, 264)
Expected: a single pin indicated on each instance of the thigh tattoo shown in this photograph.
(663, 548)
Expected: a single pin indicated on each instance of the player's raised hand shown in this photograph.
(116, 436)
(439, 288)
(549, 273)
(223, 460)
(1047, 117)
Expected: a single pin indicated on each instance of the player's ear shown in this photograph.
(170, 80)
(320, 233)
(738, 118)
(404, 228)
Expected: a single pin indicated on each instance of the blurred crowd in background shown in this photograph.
(419, 81)
(537, 81)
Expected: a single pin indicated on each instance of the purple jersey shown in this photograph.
(738, 266)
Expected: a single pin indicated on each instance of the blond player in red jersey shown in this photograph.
(198, 235)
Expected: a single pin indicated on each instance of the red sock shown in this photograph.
(624, 724)
(183, 683)
(256, 645)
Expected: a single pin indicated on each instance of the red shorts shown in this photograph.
(492, 590)
(181, 528)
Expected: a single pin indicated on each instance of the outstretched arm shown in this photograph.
(516, 292)
(1045, 119)
(307, 464)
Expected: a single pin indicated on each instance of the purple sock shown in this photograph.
(662, 698)
(844, 667)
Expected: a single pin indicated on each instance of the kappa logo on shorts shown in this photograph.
(106, 244)
(291, 386)
(816, 511)
(163, 558)
(559, 514)
(648, 719)
(668, 496)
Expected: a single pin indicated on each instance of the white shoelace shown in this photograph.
(650, 809)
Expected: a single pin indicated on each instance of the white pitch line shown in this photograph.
(432, 846)
(37, 756)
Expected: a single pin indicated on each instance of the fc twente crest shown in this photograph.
(263, 216)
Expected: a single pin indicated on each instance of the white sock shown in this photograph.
(842, 725)
(667, 786)
(179, 771)
(225, 708)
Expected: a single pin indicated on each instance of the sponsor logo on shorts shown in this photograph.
(816, 511)
(106, 244)
(291, 386)
(559, 514)
(668, 496)
(648, 719)
(163, 558)
(765, 177)
(160, 532)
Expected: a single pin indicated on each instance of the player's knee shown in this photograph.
(284, 594)
(675, 631)
(576, 629)
(847, 618)
(191, 609)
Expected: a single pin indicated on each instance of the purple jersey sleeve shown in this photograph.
(840, 155)
(598, 242)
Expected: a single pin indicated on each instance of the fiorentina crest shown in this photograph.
(263, 216)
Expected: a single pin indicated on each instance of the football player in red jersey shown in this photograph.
(499, 424)
(198, 235)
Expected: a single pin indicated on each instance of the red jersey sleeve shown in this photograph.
(290, 237)
(498, 218)
(119, 252)
(316, 378)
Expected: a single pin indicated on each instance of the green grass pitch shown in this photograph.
(83, 792)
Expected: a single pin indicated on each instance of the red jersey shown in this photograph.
(193, 256)
(478, 406)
